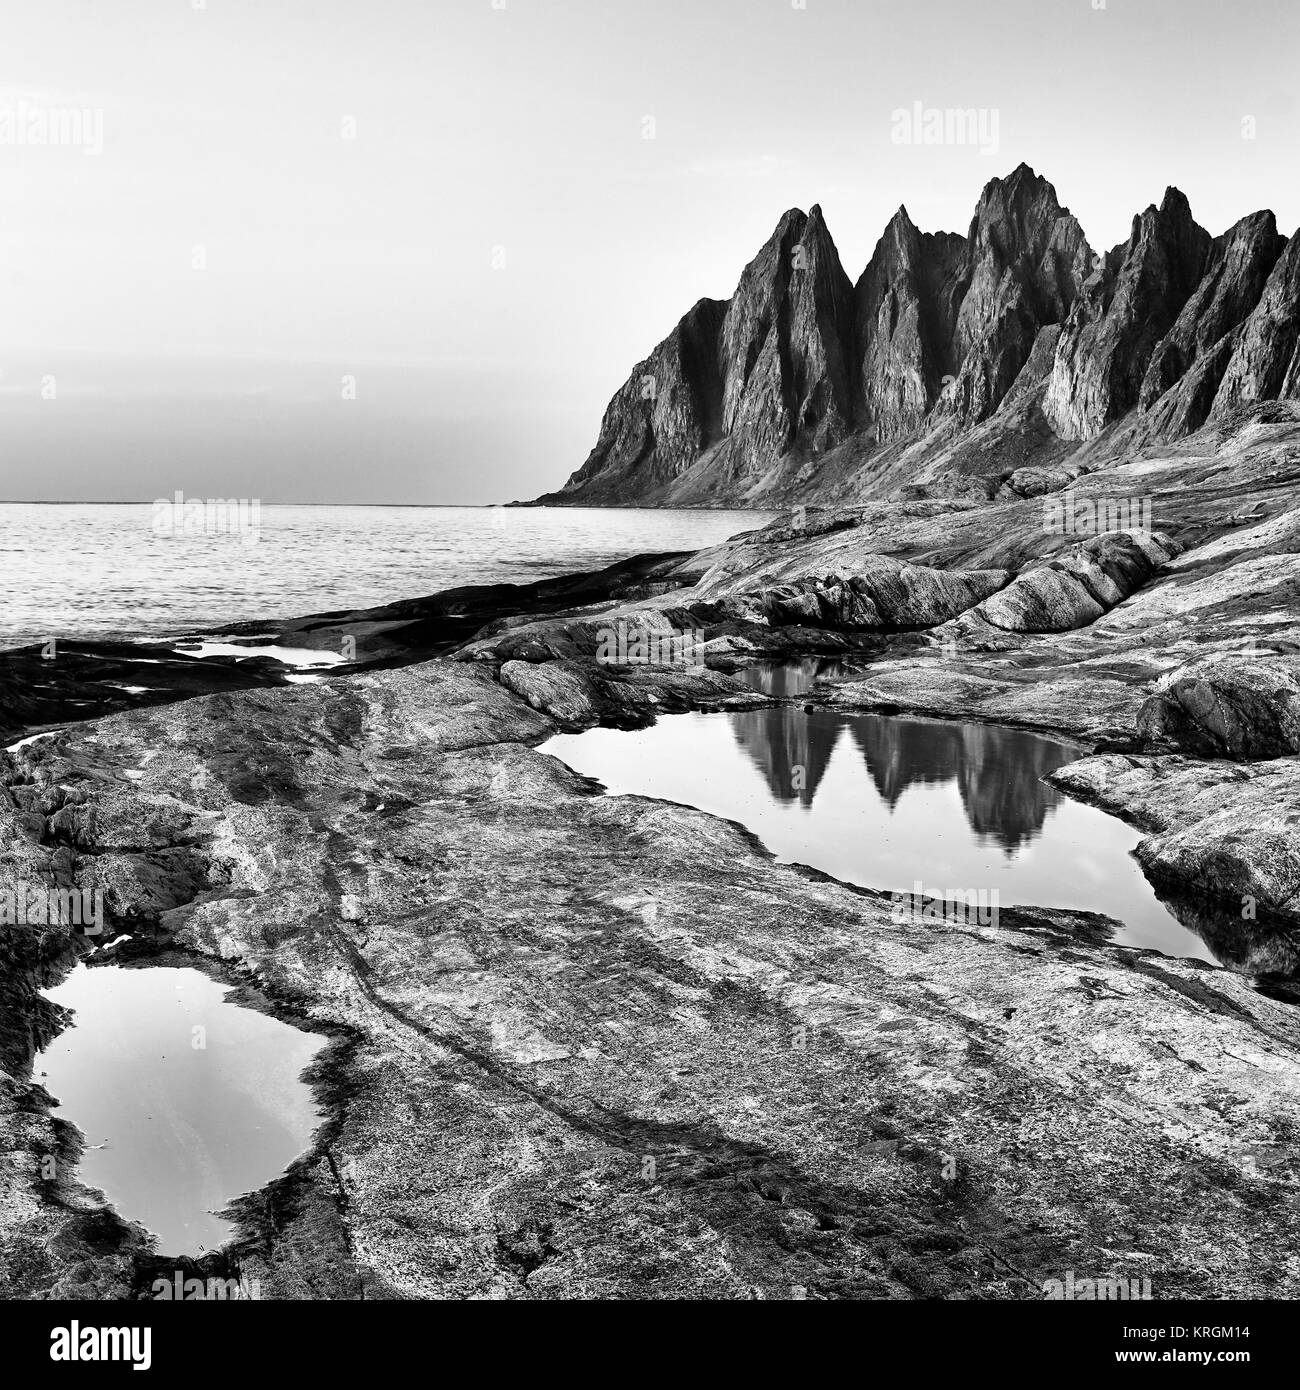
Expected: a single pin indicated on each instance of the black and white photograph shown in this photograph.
(650, 653)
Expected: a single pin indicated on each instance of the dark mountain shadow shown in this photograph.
(1001, 778)
(787, 679)
(790, 748)
(998, 771)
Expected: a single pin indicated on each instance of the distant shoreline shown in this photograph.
(428, 506)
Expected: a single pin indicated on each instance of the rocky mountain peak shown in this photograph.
(1165, 331)
(1119, 319)
(782, 356)
(1188, 364)
(1012, 212)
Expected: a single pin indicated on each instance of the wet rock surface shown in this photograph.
(62, 682)
(595, 1046)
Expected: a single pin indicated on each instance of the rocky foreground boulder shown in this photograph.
(1227, 707)
(1075, 588)
(577, 694)
(882, 595)
(1229, 832)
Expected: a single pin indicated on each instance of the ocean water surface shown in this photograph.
(103, 571)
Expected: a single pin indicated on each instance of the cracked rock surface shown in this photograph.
(595, 1046)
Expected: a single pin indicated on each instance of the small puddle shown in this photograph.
(787, 679)
(186, 1099)
(889, 801)
(290, 656)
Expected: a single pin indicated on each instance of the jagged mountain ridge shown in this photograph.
(954, 361)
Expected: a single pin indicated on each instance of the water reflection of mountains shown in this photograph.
(998, 771)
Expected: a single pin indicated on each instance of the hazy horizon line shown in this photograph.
(439, 506)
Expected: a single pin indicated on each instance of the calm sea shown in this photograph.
(78, 570)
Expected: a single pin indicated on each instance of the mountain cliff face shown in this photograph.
(1122, 314)
(1022, 267)
(1265, 361)
(663, 417)
(1189, 362)
(956, 363)
(753, 377)
(905, 308)
(784, 345)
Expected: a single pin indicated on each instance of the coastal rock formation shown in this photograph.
(1075, 588)
(576, 695)
(559, 1070)
(1227, 708)
(1195, 353)
(881, 594)
(785, 365)
(906, 302)
(1023, 266)
(66, 682)
(667, 413)
(754, 374)
(1227, 830)
(945, 323)
(532, 988)
(952, 356)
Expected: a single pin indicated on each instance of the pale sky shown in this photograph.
(200, 287)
